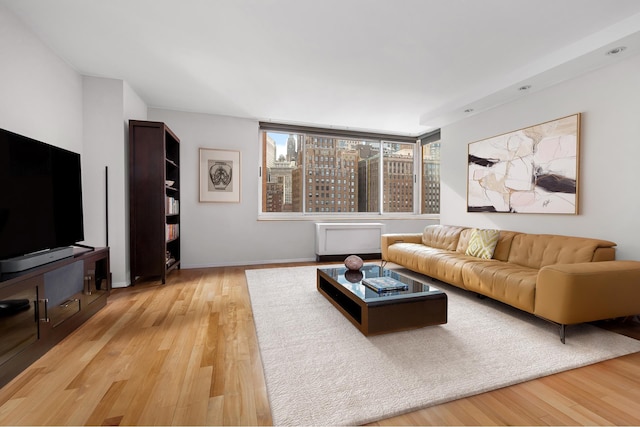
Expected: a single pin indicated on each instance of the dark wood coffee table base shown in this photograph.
(383, 316)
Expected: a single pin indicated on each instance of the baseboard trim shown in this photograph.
(242, 263)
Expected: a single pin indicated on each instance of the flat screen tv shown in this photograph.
(41, 196)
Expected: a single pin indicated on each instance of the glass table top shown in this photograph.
(352, 280)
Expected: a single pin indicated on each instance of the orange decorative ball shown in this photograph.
(353, 262)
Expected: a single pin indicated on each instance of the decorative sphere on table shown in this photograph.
(353, 262)
(353, 276)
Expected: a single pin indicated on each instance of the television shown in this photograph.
(40, 200)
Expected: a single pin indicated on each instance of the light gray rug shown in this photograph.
(320, 370)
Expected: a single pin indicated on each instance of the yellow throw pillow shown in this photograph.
(482, 243)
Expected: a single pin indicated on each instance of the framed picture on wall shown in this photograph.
(219, 175)
(531, 170)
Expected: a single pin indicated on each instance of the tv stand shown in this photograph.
(36, 259)
(41, 306)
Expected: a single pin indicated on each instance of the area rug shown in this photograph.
(320, 370)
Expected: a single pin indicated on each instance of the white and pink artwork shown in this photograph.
(532, 170)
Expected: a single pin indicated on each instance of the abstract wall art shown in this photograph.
(532, 170)
(219, 175)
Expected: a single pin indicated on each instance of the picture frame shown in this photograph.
(531, 170)
(219, 174)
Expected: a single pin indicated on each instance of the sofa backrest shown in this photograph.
(540, 250)
(442, 236)
(504, 245)
(463, 240)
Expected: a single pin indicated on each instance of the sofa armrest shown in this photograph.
(585, 292)
(389, 239)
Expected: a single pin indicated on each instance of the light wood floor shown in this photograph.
(186, 353)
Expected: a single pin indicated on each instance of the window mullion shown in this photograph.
(305, 177)
(417, 179)
(381, 179)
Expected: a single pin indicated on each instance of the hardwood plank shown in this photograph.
(215, 411)
(553, 407)
(211, 339)
(140, 390)
(186, 353)
(99, 415)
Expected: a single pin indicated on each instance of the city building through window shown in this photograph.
(307, 172)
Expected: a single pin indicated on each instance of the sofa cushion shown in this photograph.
(509, 283)
(441, 236)
(437, 263)
(482, 243)
(539, 250)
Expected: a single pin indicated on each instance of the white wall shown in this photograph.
(108, 106)
(134, 109)
(218, 234)
(41, 96)
(610, 148)
(103, 138)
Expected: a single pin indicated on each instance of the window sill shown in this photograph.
(346, 218)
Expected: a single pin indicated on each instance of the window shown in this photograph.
(347, 173)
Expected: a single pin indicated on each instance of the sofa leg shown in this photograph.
(563, 330)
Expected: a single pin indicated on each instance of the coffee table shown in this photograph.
(376, 313)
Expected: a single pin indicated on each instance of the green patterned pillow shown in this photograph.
(482, 243)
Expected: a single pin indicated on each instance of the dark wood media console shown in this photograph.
(41, 306)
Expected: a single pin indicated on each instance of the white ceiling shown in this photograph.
(396, 66)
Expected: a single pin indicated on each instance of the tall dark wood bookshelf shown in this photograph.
(154, 198)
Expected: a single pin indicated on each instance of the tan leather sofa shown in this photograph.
(566, 280)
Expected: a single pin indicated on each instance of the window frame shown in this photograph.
(416, 213)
